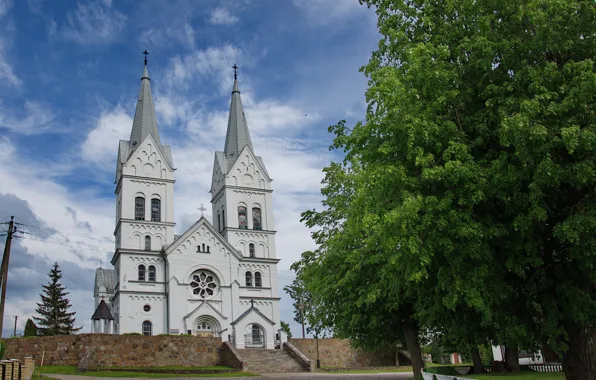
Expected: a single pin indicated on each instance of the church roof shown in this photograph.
(237, 135)
(106, 278)
(144, 122)
(102, 312)
(247, 312)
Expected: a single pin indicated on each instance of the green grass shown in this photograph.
(519, 376)
(122, 372)
(372, 370)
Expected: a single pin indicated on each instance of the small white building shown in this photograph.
(217, 279)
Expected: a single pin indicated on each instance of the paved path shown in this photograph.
(278, 376)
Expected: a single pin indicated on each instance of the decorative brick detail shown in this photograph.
(118, 350)
(27, 368)
(7, 372)
(16, 369)
(339, 353)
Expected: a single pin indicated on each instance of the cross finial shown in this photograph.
(146, 54)
(252, 303)
(235, 74)
(202, 209)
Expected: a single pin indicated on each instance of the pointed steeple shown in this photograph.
(237, 136)
(145, 122)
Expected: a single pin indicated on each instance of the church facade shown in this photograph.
(215, 279)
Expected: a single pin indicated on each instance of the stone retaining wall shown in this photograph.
(339, 353)
(92, 350)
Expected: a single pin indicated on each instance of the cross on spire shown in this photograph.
(235, 74)
(146, 53)
(202, 209)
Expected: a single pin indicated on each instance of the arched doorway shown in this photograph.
(254, 336)
(206, 325)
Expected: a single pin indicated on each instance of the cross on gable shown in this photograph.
(202, 209)
(252, 303)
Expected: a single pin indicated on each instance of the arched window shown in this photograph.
(147, 243)
(258, 280)
(223, 219)
(242, 222)
(251, 250)
(218, 222)
(156, 210)
(139, 208)
(147, 327)
(248, 279)
(256, 218)
(141, 272)
(152, 273)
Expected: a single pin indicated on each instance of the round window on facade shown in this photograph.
(147, 308)
(204, 284)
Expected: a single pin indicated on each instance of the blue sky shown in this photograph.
(69, 77)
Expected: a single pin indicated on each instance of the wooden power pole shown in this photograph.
(4, 270)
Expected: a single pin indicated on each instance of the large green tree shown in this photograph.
(54, 317)
(470, 186)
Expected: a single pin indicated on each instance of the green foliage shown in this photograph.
(30, 328)
(54, 318)
(466, 199)
(286, 327)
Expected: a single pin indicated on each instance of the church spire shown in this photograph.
(145, 122)
(237, 136)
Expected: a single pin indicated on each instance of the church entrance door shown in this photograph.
(205, 329)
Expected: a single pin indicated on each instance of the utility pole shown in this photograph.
(4, 270)
(14, 333)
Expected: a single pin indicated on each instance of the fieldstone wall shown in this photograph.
(339, 353)
(93, 350)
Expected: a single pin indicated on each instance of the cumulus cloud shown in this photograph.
(93, 23)
(100, 146)
(221, 16)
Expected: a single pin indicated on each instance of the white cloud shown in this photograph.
(35, 118)
(184, 35)
(94, 23)
(221, 16)
(7, 74)
(100, 146)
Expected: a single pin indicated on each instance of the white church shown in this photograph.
(216, 279)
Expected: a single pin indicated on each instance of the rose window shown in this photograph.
(203, 284)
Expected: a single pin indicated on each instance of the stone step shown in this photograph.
(260, 360)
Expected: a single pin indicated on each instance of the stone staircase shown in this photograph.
(260, 360)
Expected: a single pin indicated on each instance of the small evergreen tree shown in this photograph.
(54, 318)
(30, 328)
(286, 327)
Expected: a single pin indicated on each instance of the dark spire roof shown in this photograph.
(102, 312)
(237, 136)
(144, 122)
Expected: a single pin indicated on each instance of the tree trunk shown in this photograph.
(397, 357)
(411, 332)
(477, 360)
(579, 362)
(512, 358)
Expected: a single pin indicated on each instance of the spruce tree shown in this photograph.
(54, 318)
(30, 328)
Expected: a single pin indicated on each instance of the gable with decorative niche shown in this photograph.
(218, 178)
(247, 171)
(148, 160)
(200, 239)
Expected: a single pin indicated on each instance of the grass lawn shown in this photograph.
(519, 376)
(372, 370)
(122, 372)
